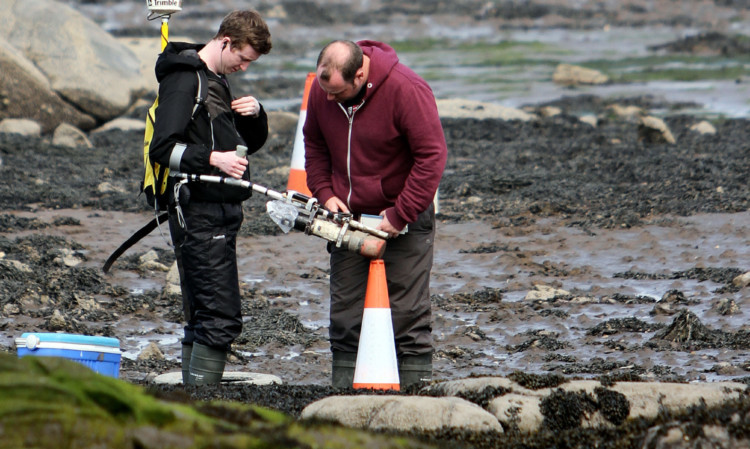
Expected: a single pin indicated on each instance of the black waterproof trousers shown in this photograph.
(408, 262)
(207, 260)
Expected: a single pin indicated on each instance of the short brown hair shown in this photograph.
(348, 66)
(246, 28)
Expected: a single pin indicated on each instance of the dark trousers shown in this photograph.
(408, 262)
(207, 260)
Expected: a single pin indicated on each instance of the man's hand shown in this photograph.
(334, 204)
(386, 226)
(248, 105)
(229, 163)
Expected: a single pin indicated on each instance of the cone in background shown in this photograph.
(377, 366)
(297, 175)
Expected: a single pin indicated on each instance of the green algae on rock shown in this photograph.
(52, 402)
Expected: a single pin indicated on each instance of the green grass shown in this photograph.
(651, 74)
(479, 54)
(656, 60)
(421, 45)
(514, 63)
(529, 55)
(673, 68)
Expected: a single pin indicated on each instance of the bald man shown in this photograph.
(374, 145)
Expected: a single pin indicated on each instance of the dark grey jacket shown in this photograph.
(185, 145)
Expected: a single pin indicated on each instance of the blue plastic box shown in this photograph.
(101, 354)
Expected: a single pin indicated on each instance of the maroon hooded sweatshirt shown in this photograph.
(388, 153)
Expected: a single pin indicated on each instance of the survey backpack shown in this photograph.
(155, 176)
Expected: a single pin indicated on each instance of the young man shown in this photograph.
(205, 224)
(374, 145)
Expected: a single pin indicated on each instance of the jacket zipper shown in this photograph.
(349, 112)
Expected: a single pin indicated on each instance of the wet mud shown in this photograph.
(517, 179)
(521, 204)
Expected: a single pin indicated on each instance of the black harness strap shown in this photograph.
(143, 232)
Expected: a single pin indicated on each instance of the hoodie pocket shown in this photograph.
(367, 192)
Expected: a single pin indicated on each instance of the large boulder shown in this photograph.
(26, 93)
(84, 64)
(53, 402)
(22, 126)
(402, 413)
(572, 75)
(463, 108)
(587, 403)
(654, 130)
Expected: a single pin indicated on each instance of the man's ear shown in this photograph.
(224, 45)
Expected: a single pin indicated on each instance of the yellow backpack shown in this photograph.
(155, 176)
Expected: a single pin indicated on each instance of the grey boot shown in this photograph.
(206, 365)
(342, 370)
(413, 369)
(186, 351)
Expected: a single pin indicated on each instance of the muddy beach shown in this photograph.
(564, 250)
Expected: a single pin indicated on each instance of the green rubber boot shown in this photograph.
(186, 351)
(415, 369)
(206, 365)
(342, 369)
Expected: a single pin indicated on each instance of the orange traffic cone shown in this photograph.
(377, 366)
(297, 174)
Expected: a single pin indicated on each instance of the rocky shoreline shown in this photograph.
(591, 271)
(511, 174)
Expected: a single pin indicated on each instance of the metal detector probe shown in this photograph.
(292, 210)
